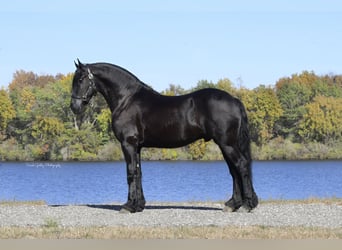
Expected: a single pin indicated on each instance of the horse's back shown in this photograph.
(215, 102)
(179, 120)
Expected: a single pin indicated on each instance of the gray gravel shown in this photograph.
(165, 215)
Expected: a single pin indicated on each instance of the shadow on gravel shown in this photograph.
(156, 207)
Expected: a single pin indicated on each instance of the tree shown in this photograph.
(24, 101)
(197, 149)
(7, 111)
(204, 84)
(295, 92)
(263, 110)
(54, 99)
(226, 85)
(44, 131)
(323, 120)
(104, 122)
(84, 144)
(46, 128)
(22, 78)
(292, 97)
(174, 90)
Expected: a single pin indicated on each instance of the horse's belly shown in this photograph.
(172, 137)
(164, 143)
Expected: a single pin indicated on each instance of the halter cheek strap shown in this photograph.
(92, 85)
(90, 76)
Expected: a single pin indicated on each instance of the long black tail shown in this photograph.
(245, 148)
(244, 141)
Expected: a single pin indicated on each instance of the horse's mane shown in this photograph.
(123, 71)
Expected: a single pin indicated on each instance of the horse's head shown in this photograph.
(83, 87)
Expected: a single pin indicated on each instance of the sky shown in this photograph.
(174, 42)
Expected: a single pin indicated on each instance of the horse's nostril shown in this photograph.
(76, 106)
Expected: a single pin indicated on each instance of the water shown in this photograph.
(105, 182)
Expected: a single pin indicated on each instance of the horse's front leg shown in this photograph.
(136, 200)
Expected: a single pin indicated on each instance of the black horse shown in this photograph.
(141, 117)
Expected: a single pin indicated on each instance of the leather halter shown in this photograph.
(86, 97)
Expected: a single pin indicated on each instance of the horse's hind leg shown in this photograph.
(235, 201)
(243, 191)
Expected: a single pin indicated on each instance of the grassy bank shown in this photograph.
(53, 231)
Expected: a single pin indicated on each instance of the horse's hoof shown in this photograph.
(245, 209)
(227, 209)
(124, 210)
(140, 209)
(250, 204)
(231, 206)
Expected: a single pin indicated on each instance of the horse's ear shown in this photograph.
(78, 64)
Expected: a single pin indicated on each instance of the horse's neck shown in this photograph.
(117, 94)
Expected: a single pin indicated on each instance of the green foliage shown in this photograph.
(322, 120)
(204, 84)
(84, 144)
(296, 92)
(110, 151)
(263, 110)
(174, 90)
(299, 118)
(10, 150)
(226, 85)
(46, 128)
(104, 123)
(286, 149)
(197, 149)
(7, 111)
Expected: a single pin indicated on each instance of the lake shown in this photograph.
(61, 183)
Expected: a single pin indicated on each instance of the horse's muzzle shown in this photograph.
(77, 106)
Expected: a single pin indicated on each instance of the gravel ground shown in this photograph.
(169, 215)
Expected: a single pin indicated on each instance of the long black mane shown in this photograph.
(112, 69)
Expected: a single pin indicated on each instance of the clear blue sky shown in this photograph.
(178, 41)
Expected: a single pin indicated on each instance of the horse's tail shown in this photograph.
(244, 141)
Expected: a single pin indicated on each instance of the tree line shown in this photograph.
(299, 117)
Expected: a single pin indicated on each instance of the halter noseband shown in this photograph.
(85, 97)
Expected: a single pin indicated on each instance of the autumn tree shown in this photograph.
(7, 111)
(295, 92)
(263, 110)
(46, 128)
(197, 149)
(22, 78)
(323, 120)
(226, 85)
